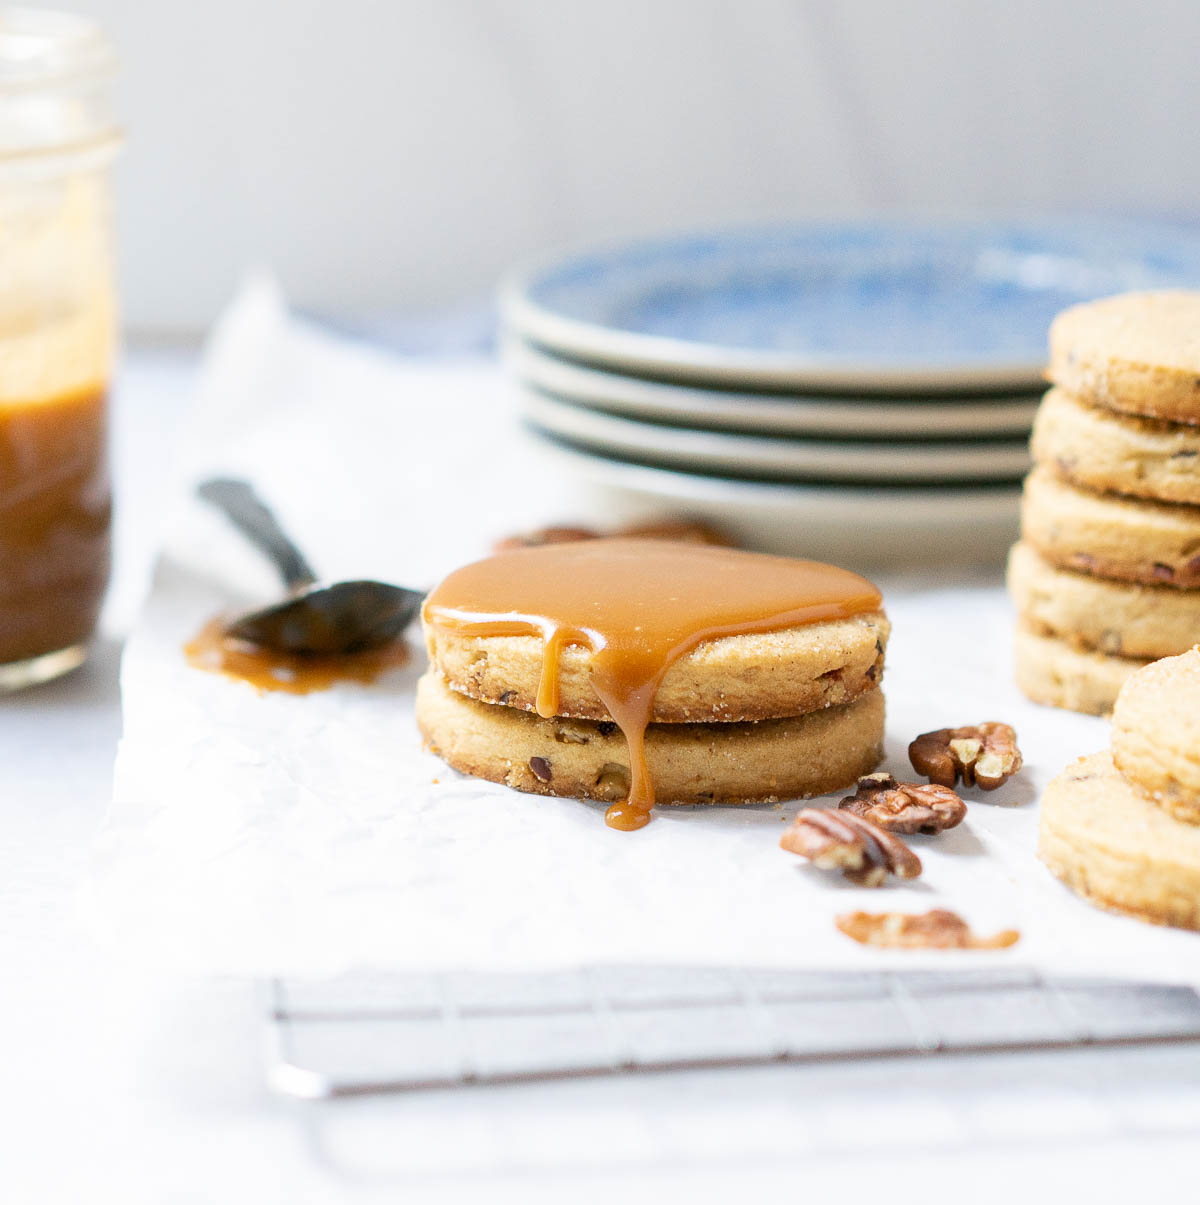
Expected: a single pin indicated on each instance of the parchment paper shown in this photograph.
(307, 835)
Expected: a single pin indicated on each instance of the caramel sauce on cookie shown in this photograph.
(265, 669)
(638, 606)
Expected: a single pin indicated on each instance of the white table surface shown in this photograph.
(120, 1084)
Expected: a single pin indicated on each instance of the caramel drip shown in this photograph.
(292, 673)
(637, 606)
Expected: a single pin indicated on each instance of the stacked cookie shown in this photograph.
(637, 671)
(1122, 828)
(1107, 574)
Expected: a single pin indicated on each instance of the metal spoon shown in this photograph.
(320, 617)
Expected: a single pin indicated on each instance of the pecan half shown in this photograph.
(544, 535)
(982, 755)
(905, 807)
(842, 841)
(688, 531)
(938, 929)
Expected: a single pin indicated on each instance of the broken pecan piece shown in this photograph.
(544, 535)
(938, 929)
(905, 807)
(842, 841)
(686, 531)
(982, 755)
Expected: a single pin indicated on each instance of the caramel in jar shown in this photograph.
(54, 522)
(57, 332)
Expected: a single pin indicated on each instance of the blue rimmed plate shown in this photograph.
(870, 306)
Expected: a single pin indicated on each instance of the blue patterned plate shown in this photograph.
(871, 306)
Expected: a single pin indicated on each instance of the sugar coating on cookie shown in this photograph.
(1156, 733)
(1059, 674)
(1136, 352)
(1125, 454)
(1113, 845)
(1129, 539)
(752, 676)
(1124, 619)
(790, 758)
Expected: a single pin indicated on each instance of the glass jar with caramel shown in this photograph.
(57, 337)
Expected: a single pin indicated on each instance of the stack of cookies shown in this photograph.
(639, 671)
(1107, 574)
(1122, 828)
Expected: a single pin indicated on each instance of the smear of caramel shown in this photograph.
(292, 673)
(638, 606)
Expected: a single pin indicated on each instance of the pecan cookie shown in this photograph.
(1114, 846)
(789, 758)
(1156, 733)
(1103, 450)
(1137, 352)
(1123, 619)
(755, 676)
(1129, 539)
(1052, 671)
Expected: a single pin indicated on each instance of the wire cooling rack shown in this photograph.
(404, 1032)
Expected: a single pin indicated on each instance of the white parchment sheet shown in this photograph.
(305, 835)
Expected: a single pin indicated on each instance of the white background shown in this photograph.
(401, 153)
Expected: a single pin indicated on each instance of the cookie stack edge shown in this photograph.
(1107, 574)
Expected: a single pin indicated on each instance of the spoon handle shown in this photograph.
(250, 515)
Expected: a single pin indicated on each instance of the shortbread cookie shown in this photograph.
(690, 763)
(755, 676)
(1054, 672)
(1125, 538)
(1118, 849)
(1104, 450)
(1138, 352)
(1156, 733)
(1124, 619)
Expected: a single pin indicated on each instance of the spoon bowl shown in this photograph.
(341, 617)
(318, 618)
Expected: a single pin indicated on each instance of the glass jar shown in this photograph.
(57, 339)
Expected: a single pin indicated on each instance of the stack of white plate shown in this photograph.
(858, 390)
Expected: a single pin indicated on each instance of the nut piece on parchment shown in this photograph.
(938, 929)
(835, 840)
(686, 531)
(545, 535)
(982, 755)
(905, 807)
